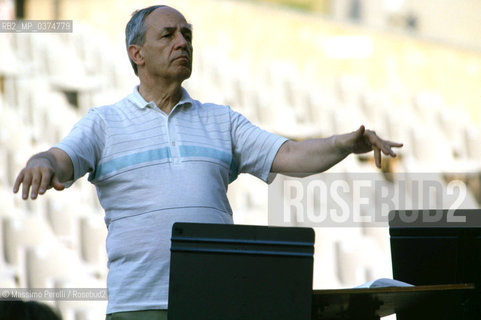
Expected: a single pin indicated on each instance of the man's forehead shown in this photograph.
(167, 17)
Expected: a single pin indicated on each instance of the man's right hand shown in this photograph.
(44, 171)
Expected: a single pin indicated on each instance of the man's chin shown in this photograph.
(185, 74)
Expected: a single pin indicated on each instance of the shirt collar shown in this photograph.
(140, 102)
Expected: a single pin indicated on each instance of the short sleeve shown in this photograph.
(254, 149)
(84, 144)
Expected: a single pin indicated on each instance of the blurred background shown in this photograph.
(410, 69)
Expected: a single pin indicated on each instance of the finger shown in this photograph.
(360, 132)
(57, 185)
(18, 181)
(395, 144)
(372, 140)
(377, 156)
(45, 181)
(387, 150)
(27, 181)
(387, 147)
(36, 179)
(384, 145)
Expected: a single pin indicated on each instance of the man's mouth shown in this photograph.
(183, 58)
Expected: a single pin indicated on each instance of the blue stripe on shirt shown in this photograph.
(160, 154)
(132, 159)
(205, 152)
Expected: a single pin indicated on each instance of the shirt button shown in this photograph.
(173, 143)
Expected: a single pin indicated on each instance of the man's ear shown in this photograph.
(135, 54)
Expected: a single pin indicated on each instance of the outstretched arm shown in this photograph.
(43, 171)
(317, 155)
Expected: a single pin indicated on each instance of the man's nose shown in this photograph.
(181, 41)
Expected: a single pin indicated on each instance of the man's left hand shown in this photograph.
(363, 140)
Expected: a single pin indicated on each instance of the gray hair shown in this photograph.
(135, 29)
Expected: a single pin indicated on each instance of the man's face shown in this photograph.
(167, 49)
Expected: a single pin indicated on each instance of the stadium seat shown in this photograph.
(93, 233)
(51, 263)
(20, 233)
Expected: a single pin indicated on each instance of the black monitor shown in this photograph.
(431, 247)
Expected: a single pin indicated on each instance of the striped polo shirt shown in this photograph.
(152, 170)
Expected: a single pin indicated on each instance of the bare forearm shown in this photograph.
(309, 156)
(317, 155)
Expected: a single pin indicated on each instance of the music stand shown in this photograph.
(240, 272)
(435, 247)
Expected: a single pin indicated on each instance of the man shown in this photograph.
(158, 157)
